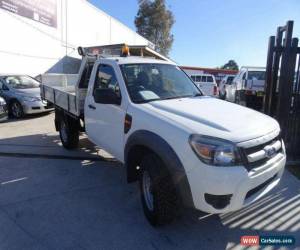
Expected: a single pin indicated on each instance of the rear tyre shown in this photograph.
(239, 100)
(158, 194)
(222, 95)
(69, 133)
(16, 110)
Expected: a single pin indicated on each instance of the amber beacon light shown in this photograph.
(125, 50)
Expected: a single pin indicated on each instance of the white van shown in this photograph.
(207, 83)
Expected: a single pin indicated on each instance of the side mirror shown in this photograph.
(106, 96)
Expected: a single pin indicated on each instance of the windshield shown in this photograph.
(21, 82)
(256, 75)
(149, 82)
(230, 79)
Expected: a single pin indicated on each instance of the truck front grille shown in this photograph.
(258, 155)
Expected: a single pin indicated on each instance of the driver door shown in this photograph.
(105, 122)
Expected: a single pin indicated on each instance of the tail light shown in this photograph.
(215, 90)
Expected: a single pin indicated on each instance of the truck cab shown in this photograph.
(184, 148)
(247, 88)
(224, 84)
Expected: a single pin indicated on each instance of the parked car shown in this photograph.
(22, 94)
(227, 80)
(207, 83)
(248, 87)
(3, 110)
(183, 147)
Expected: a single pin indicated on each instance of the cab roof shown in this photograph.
(252, 68)
(136, 60)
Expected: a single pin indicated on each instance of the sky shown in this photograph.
(208, 33)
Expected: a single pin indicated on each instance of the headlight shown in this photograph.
(215, 151)
(30, 99)
(2, 102)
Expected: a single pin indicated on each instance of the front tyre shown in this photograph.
(158, 193)
(223, 96)
(16, 110)
(68, 132)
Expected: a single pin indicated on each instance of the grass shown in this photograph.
(295, 170)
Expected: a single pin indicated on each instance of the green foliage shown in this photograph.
(154, 22)
(231, 64)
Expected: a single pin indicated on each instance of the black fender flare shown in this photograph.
(156, 144)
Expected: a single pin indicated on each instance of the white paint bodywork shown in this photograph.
(205, 86)
(239, 81)
(223, 85)
(175, 120)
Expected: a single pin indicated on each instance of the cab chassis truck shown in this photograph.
(185, 149)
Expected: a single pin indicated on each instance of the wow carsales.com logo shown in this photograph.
(256, 240)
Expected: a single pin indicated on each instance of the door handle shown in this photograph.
(91, 106)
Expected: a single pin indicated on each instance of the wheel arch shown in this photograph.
(141, 142)
(12, 99)
(70, 119)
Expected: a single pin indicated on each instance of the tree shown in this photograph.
(230, 65)
(154, 22)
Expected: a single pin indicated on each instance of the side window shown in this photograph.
(193, 78)
(229, 80)
(198, 78)
(234, 80)
(86, 74)
(210, 79)
(106, 79)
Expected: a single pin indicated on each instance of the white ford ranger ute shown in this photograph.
(184, 148)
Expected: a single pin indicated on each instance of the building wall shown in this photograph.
(30, 47)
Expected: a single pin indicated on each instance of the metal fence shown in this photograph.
(282, 89)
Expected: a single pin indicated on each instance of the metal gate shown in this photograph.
(282, 99)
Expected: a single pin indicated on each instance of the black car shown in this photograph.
(3, 110)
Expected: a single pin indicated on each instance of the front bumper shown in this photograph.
(36, 107)
(235, 185)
